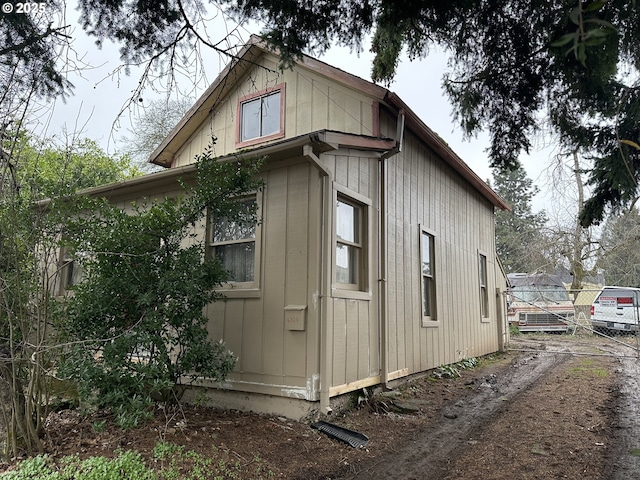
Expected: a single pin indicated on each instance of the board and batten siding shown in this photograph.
(269, 355)
(312, 103)
(352, 320)
(423, 192)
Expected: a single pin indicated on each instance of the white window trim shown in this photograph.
(433, 320)
(241, 289)
(361, 291)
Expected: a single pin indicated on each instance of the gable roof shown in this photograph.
(248, 57)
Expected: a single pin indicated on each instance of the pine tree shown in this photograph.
(519, 237)
(621, 246)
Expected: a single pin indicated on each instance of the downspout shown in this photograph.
(382, 246)
(324, 351)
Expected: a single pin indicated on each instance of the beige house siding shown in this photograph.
(312, 103)
(254, 328)
(352, 318)
(424, 193)
(338, 143)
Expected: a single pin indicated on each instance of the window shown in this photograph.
(261, 116)
(428, 276)
(70, 272)
(484, 293)
(234, 244)
(349, 244)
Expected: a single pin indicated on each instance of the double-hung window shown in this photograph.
(349, 243)
(234, 243)
(351, 253)
(261, 116)
(428, 276)
(484, 292)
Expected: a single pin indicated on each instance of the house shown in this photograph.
(375, 258)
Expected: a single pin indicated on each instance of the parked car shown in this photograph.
(615, 309)
(539, 303)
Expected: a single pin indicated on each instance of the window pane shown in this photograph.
(226, 230)
(428, 273)
(346, 263)
(250, 113)
(74, 274)
(426, 255)
(484, 294)
(270, 114)
(483, 270)
(238, 259)
(347, 222)
(427, 296)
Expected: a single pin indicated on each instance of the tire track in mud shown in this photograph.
(430, 452)
(625, 458)
(625, 454)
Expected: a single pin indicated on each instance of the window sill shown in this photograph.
(352, 294)
(426, 323)
(485, 320)
(240, 292)
(255, 141)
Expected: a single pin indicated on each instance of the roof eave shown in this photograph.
(321, 141)
(164, 154)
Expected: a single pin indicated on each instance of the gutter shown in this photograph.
(382, 246)
(324, 352)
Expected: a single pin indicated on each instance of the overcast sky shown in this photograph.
(99, 96)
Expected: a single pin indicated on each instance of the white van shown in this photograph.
(539, 303)
(616, 309)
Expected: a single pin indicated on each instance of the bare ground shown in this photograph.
(553, 407)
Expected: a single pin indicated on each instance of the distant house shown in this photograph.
(375, 258)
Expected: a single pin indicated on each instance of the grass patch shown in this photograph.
(588, 367)
(514, 331)
(127, 465)
(169, 462)
(175, 462)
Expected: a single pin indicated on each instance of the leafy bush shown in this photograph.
(33, 468)
(136, 322)
(127, 465)
(453, 370)
(169, 460)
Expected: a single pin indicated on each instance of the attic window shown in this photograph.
(261, 116)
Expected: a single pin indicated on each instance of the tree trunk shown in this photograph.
(577, 265)
(18, 433)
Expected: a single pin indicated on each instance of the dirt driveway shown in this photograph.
(553, 407)
(562, 408)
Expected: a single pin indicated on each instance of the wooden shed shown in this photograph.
(375, 258)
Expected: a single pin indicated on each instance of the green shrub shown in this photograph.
(135, 323)
(127, 465)
(36, 468)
